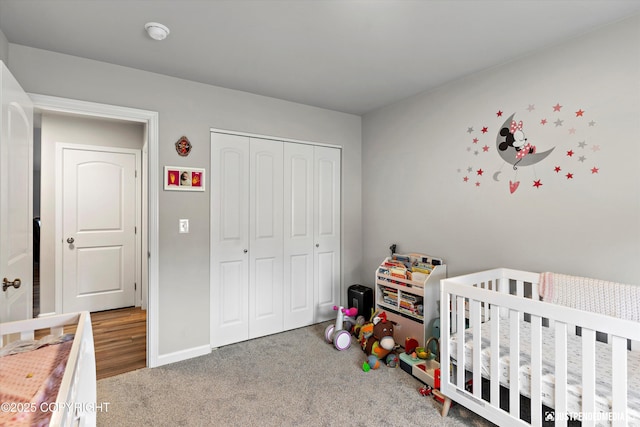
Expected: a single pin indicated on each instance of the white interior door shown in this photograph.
(16, 202)
(326, 231)
(298, 235)
(99, 208)
(229, 239)
(265, 238)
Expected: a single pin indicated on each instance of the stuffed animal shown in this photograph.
(376, 339)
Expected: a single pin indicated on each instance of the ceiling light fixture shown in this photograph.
(156, 31)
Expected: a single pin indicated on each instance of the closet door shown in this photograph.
(229, 239)
(298, 236)
(265, 238)
(326, 223)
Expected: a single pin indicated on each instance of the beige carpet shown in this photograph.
(289, 379)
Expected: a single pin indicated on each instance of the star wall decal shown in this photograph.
(565, 127)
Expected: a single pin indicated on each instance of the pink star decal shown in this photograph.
(569, 175)
(572, 131)
(543, 122)
(485, 129)
(557, 107)
(537, 183)
(594, 170)
(475, 140)
(499, 113)
(570, 153)
(595, 148)
(465, 179)
(485, 148)
(480, 172)
(477, 184)
(579, 113)
(557, 169)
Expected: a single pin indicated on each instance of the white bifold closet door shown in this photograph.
(265, 238)
(312, 233)
(275, 236)
(229, 239)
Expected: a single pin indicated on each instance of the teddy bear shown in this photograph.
(376, 340)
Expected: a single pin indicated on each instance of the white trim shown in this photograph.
(150, 118)
(181, 355)
(271, 137)
(42, 315)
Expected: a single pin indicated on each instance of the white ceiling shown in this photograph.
(346, 55)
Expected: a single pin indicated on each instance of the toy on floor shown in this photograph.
(376, 339)
(337, 334)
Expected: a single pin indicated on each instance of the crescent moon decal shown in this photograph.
(509, 155)
(496, 175)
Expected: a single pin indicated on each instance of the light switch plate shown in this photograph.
(183, 226)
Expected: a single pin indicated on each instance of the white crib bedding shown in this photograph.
(574, 368)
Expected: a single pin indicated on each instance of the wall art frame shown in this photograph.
(179, 178)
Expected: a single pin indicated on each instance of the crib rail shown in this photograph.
(468, 301)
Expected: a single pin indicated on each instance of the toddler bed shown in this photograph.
(50, 381)
(495, 325)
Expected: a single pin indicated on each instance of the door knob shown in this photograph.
(6, 284)
(70, 240)
(317, 245)
(245, 251)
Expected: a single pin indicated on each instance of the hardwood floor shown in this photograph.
(120, 340)
(120, 336)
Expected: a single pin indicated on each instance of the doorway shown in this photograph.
(150, 188)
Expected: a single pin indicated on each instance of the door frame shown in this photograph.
(150, 196)
(59, 227)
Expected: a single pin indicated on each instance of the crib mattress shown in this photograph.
(29, 384)
(574, 367)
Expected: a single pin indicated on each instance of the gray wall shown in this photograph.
(188, 108)
(70, 130)
(415, 160)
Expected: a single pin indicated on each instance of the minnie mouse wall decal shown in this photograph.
(514, 148)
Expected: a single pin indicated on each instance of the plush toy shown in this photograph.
(376, 339)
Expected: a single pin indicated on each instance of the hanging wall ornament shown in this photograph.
(183, 146)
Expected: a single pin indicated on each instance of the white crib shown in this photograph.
(76, 399)
(494, 324)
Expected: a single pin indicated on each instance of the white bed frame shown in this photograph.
(477, 297)
(76, 401)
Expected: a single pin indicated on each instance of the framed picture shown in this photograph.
(178, 178)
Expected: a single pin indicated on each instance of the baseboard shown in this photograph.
(165, 359)
(41, 315)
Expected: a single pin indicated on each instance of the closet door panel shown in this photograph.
(265, 238)
(298, 236)
(229, 239)
(326, 231)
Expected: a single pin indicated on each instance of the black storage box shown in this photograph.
(361, 297)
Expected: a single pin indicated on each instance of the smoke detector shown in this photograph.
(156, 31)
